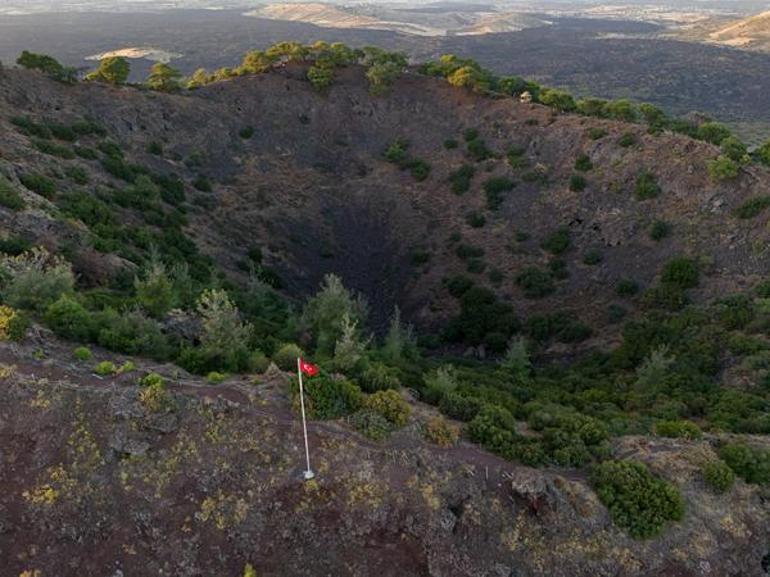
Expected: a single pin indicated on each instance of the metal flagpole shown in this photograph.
(309, 473)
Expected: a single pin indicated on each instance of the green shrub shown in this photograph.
(391, 405)
(718, 476)
(419, 256)
(597, 133)
(27, 126)
(155, 148)
(646, 186)
(583, 163)
(215, 377)
(496, 276)
(460, 179)
(85, 207)
(286, 357)
(151, 380)
(127, 367)
(371, 424)
(626, 287)
(53, 149)
(478, 151)
(750, 463)
(460, 407)
(154, 396)
(39, 184)
(535, 282)
(558, 99)
(35, 287)
(85, 152)
(494, 188)
(106, 368)
(516, 158)
(48, 65)
(638, 502)
(378, 377)
(712, 132)
(621, 109)
(396, 152)
(682, 272)
(111, 149)
(171, 188)
(131, 333)
(723, 168)
(202, 183)
(577, 183)
(458, 285)
(69, 319)
(467, 251)
(470, 134)
(320, 75)
(14, 245)
(678, 429)
(659, 230)
(628, 139)
(735, 150)
(475, 219)
(82, 354)
(493, 428)
(419, 169)
(451, 144)
(9, 196)
(752, 207)
(476, 266)
(736, 312)
(62, 132)
(329, 398)
(258, 362)
(592, 257)
(78, 174)
(558, 241)
(118, 168)
(87, 128)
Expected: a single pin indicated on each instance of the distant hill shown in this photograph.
(433, 20)
(751, 33)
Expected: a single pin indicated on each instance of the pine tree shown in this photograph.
(155, 292)
(516, 361)
(324, 314)
(400, 342)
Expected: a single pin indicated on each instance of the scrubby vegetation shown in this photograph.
(638, 501)
(718, 476)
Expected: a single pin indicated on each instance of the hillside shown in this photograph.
(752, 33)
(312, 190)
(541, 325)
(213, 484)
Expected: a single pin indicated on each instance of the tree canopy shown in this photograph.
(112, 70)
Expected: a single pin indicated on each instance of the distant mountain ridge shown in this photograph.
(460, 20)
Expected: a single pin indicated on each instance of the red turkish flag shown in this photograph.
(308, 368)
